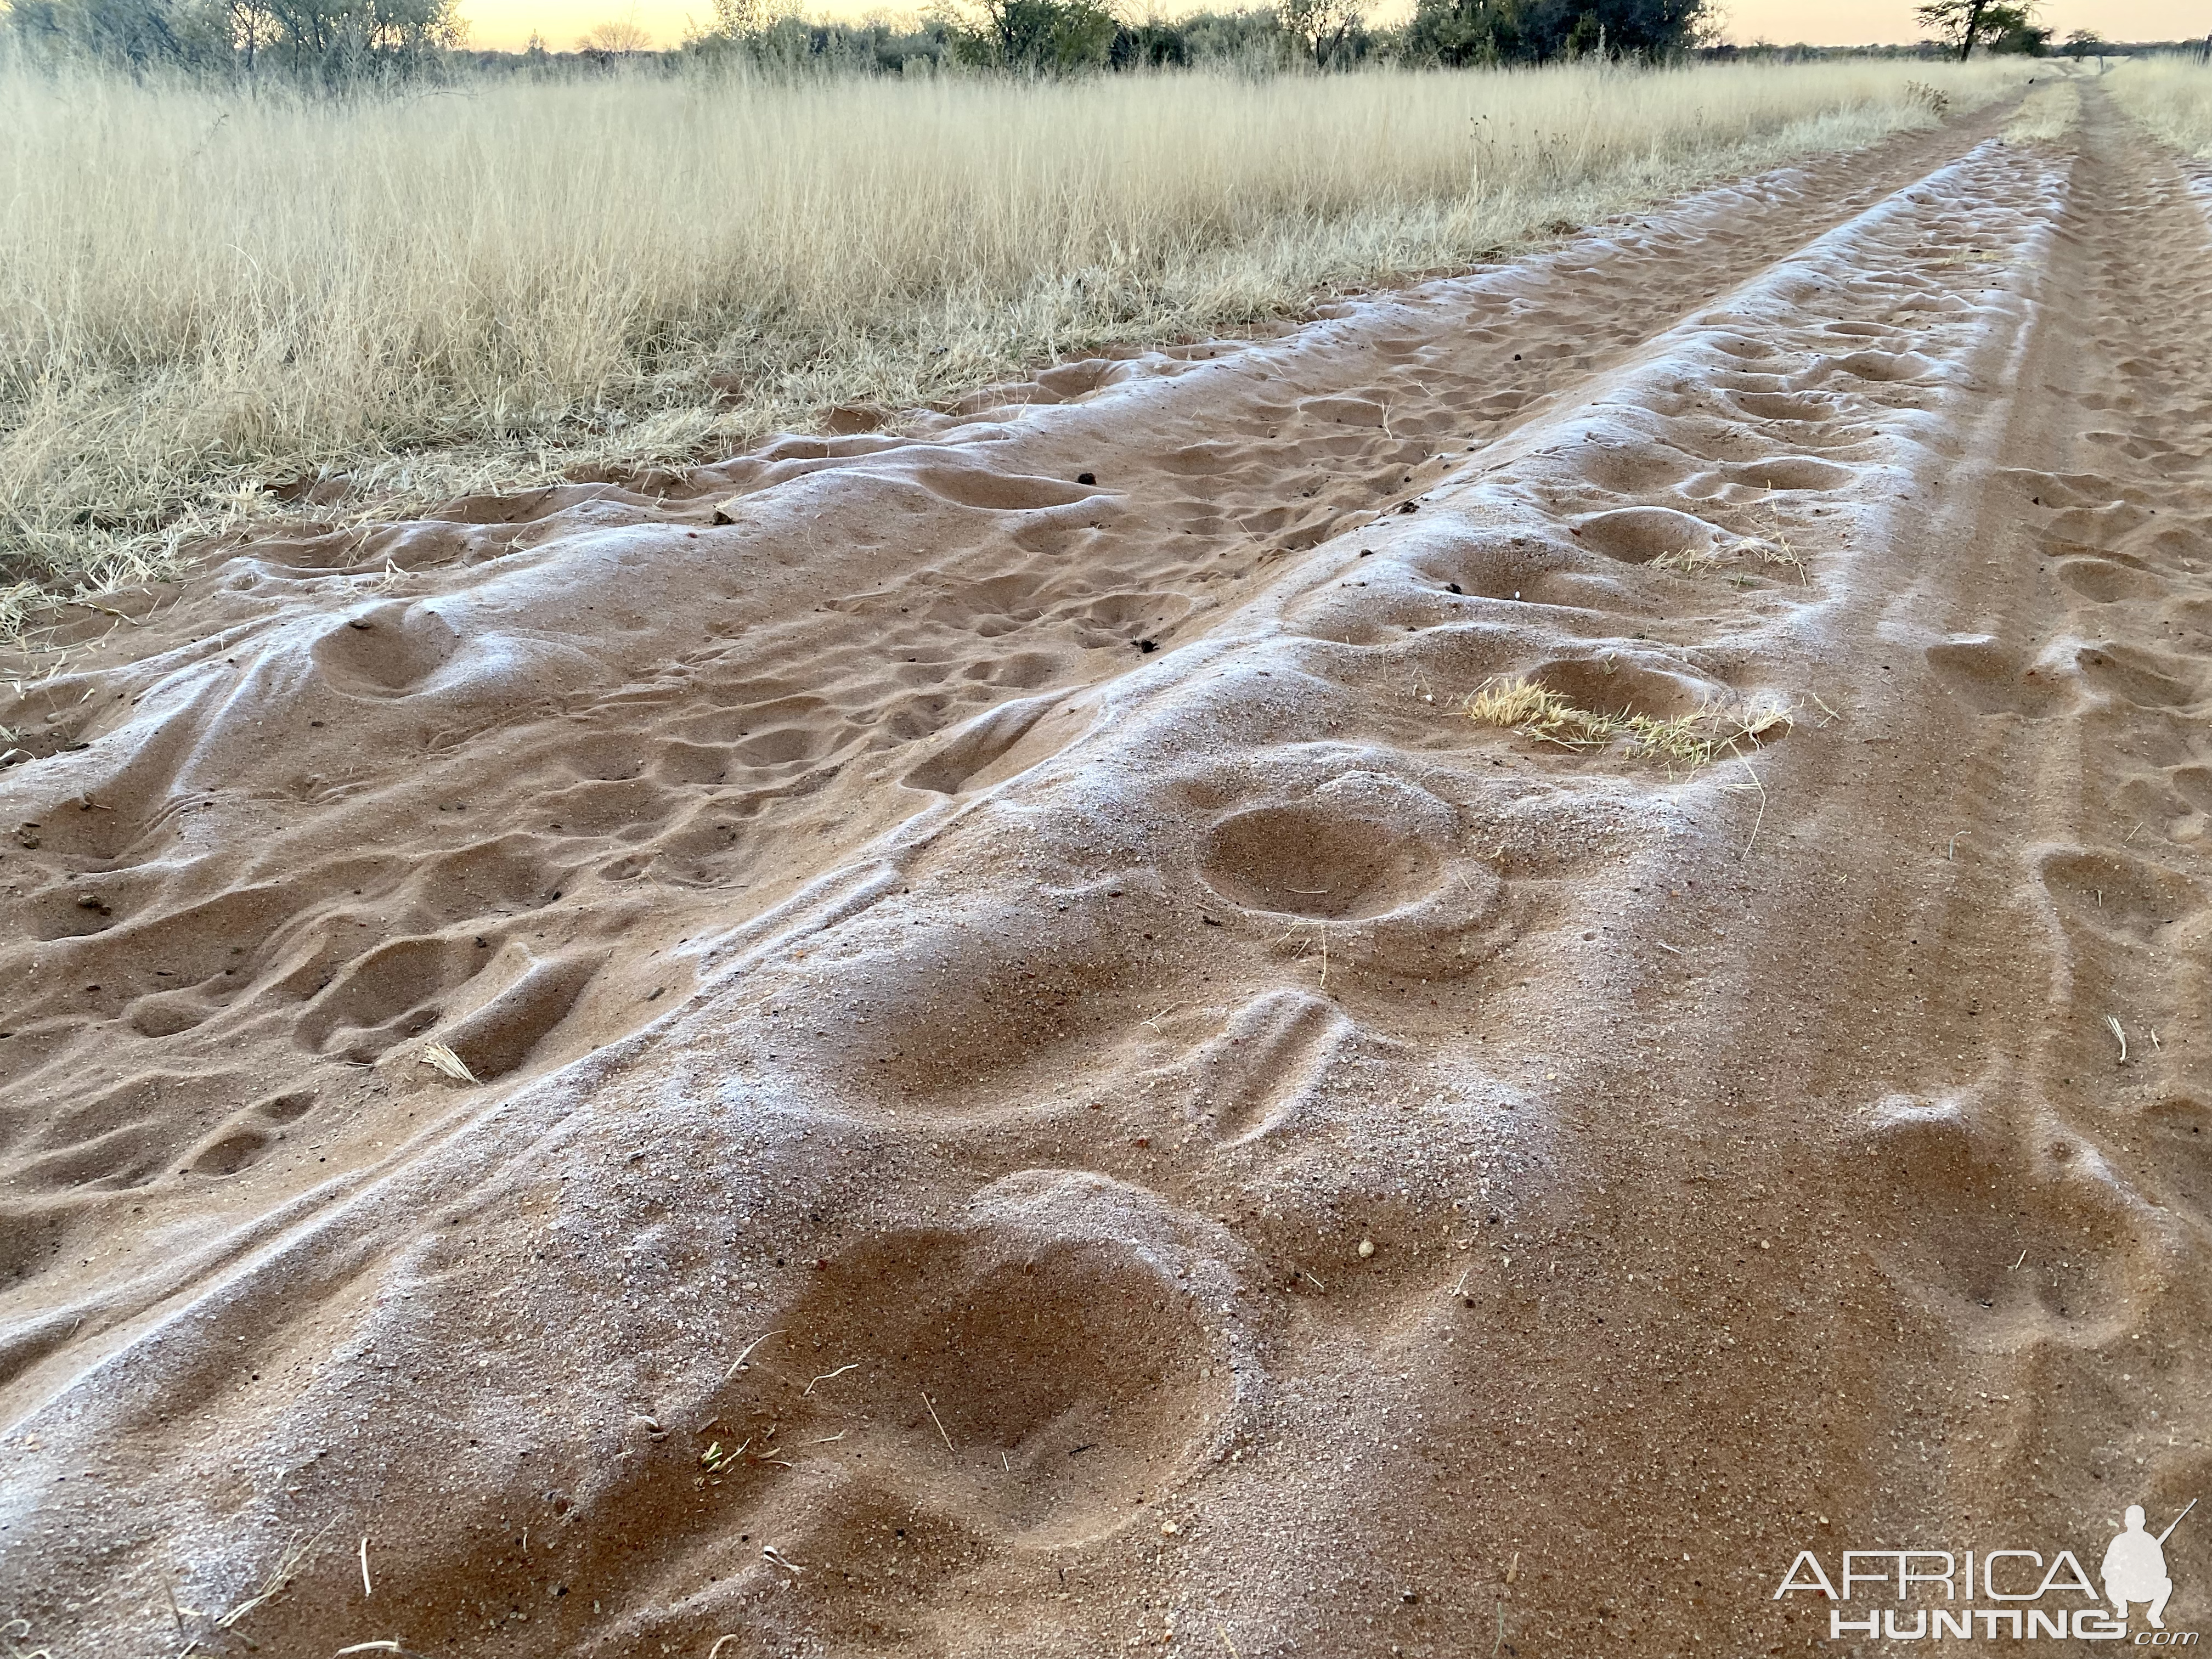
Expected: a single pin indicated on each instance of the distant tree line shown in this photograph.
(319, 39)
(1071, 36)
(337, 41)
(334, 41)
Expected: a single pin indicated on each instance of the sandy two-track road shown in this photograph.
(968, 937)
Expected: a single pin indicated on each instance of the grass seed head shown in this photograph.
(439, 1058)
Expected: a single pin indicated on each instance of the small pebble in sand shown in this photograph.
(1366, 1248)
(1168, 1529)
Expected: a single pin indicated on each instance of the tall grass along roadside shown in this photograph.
(206, 293)
(2172, 96)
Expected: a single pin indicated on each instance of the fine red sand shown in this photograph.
(1042, 1090)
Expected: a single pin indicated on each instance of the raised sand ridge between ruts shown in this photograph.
(967, 941)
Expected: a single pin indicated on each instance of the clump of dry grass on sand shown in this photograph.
(1773, 549)
(207, 293)
(1689, 741)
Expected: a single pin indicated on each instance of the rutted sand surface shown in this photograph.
(963, 937)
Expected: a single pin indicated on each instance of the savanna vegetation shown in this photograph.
(255, 246)
(212, 291)
(2172, 96)
(341, 41)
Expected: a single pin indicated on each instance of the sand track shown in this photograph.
(960, 952)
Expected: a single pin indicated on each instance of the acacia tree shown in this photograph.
(1040, 36)
(619, 37)
(1322, 27)
(1962, 25)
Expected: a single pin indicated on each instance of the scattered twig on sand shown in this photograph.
(2113, 1026)
(372, 1647)
(366, 1591)
(826, 1375)
(715, 1461)
(295, 1556)
(1775, 549)
(1952, 851)
(1315, 923)
(770, 1552)
(1226, 1643)
(745, 1353)
(939, 1421)
(2015, 1266)
(1670, 949)
(104, 610)
(443, 1060)
(1761, 818)
(714, 1652)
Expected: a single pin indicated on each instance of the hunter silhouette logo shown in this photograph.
(2134, 1566)
(2019, 1594)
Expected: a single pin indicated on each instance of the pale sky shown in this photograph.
(1862, 23)
(507, 24)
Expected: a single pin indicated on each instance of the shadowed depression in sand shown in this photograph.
(1034, 1085)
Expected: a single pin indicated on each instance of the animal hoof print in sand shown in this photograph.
(1990, 679)
(1263, 1074)
(1964, 1207)
(1032, 1378)
(2105, 582)
(1637, 535)
(1887, 367)
(387, 652)
(970, 754)
(1324, 858)
(1621, 689)
(1364, 866)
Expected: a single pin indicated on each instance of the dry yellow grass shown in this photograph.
(2050, 110)
(206, 293)
(2172, 96)
(1772, 549)
(1690, 741)
(442, 1059)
